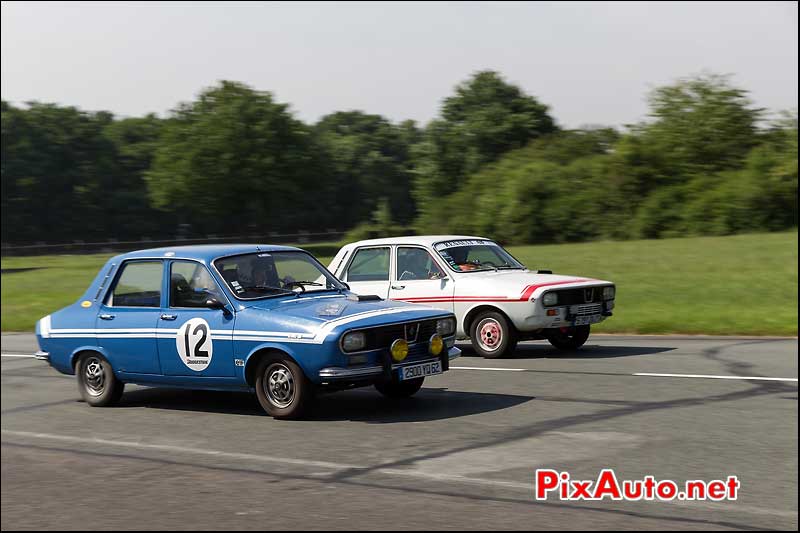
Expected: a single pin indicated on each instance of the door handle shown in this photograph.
(169, 317)
(398, 287)
(106, 317)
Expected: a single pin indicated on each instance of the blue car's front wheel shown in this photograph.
(282, 388)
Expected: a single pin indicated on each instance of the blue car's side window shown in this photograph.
(191, 285)
(138, 285)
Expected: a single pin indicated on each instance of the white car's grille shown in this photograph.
(588, 309)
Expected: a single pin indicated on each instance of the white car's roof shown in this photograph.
(426, 240)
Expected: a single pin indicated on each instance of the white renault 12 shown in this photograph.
(496, 299)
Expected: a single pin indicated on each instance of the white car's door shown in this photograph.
(367, 272)
(418, 278)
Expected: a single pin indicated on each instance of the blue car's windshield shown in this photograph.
(266, 274)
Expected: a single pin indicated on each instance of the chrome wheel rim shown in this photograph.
(490, 334)
(95, 376)
(279, 386)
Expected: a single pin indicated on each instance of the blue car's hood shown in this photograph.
(323, 314)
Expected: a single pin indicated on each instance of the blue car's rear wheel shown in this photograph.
(97, 383)
(282, 388)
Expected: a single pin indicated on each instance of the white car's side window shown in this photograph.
(416, 263)
(369, 264)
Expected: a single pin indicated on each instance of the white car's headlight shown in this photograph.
(609, 293)
(550, 298)
(352, 342)
(446, 326)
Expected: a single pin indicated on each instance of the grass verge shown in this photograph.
(737, 285)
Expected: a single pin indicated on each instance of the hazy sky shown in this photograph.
(592, 63)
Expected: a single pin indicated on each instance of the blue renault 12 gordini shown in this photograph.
(241, 317)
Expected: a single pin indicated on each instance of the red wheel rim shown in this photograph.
(490, 334)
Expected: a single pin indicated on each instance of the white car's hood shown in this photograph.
(516, 284)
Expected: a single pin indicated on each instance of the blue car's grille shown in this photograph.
(416, 333)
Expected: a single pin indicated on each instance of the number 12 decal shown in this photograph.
(194, 344)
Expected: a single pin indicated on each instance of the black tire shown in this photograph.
(283, 390)
(570, 339)
(399, 389)
(98, 385)
(492, 335)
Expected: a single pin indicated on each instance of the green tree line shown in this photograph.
(493, 162)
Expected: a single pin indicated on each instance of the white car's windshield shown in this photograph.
(476, 255)
(264, 274)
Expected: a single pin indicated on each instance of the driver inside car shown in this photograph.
(459, 256)
(265, 274)
(415, 263)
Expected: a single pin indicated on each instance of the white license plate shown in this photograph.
(587, 319)
(421, 370)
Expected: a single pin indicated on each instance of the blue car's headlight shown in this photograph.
(446, 326)
(353, 342)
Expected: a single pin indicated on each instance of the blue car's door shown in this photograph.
(193, 339)
(126, 322)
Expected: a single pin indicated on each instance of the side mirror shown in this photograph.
(215, 303)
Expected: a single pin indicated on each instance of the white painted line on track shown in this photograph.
(492, 369)
(705, 376)
(487, 368)
(336, 467)
(180, 449)
(340, 467)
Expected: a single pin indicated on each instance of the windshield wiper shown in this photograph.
(301, 283)
(266, 288)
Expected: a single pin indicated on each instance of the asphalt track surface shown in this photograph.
(460, 455)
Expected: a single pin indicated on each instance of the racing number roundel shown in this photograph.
(194, 344)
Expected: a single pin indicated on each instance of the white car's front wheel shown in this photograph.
(570, 338)
(492, 335)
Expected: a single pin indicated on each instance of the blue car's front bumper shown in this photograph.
(330, 374)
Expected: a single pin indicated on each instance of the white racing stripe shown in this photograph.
(706, 376)
(317, 336)
(25, 355)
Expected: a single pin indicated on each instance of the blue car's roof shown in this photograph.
(206, 252)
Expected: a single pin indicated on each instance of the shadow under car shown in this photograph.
(544, 350)
(362, 405)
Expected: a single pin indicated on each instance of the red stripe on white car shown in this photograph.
(529, 290)
(456, 299)
(526, 294)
